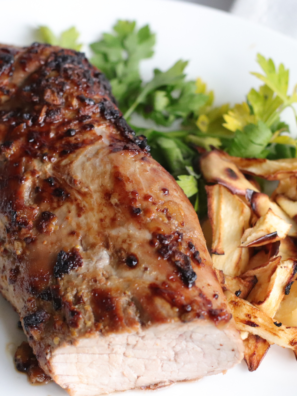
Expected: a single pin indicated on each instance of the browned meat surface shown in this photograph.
(102, 254)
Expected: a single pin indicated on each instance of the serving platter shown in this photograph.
(222, 50)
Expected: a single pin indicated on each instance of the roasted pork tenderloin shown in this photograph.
(102, 254)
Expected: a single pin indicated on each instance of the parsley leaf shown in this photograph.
(171, 77)
(170, 150)
(168, 97)
(239, 117)
(68, 38)
(276, 79)
(188, 183)
(265, 104)
(171, 155)
(251, 141)
(206, 142)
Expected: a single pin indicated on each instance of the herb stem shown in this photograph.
(131, 109)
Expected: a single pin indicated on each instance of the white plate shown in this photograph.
(222, 50)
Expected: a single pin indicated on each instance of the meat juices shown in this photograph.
(102, 256)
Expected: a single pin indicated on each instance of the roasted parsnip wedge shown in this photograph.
(287, 249)
(241, 287)
(255, 348)
(268, 229)
(269, 170)
(263, 256)
(229, 217)
(251, 319)
(218, 169)
(273, 279)
(287, 187)
(287, 205)
(287, 311)
(260, 203)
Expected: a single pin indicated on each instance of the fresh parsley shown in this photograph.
(256, 122)
(67, 39)
(118, 55)
(169, 97)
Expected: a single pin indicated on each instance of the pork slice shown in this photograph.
(159, 356)
(102, 255)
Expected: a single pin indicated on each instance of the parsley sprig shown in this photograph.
(118, 55)
(257, 123)
(67, 39)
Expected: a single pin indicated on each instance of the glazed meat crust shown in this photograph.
(96, 237)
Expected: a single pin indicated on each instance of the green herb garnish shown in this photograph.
(67, 39)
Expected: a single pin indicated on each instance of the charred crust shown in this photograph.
(231, 174)
(136, 211)
(55, 297)
(219, 315)
(52, 294)
(6, 145)
(51, 181)
(78, 299)
(66, 262)
(73, 317)
(250, 323)
(288, 288)
(191, 247)
(104, 85)
(29, 239)
(107, 310)
(88, 127)
(196, 257)
(57, 303)
(59, 192)
(26, 362)
(63, 76)
(35, 319)
(195, 253)
(70, 132)
(24, 357)
(13, 275)
(131, 261)
(173, 297)
(112, 114)
(141, 142)
(277, 324)
(200, 309)
(46, 222)
(87, 101)
(46, 295)
(184, 266)
(168, 248)
(6, 62)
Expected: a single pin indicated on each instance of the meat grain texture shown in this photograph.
(102, 254)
